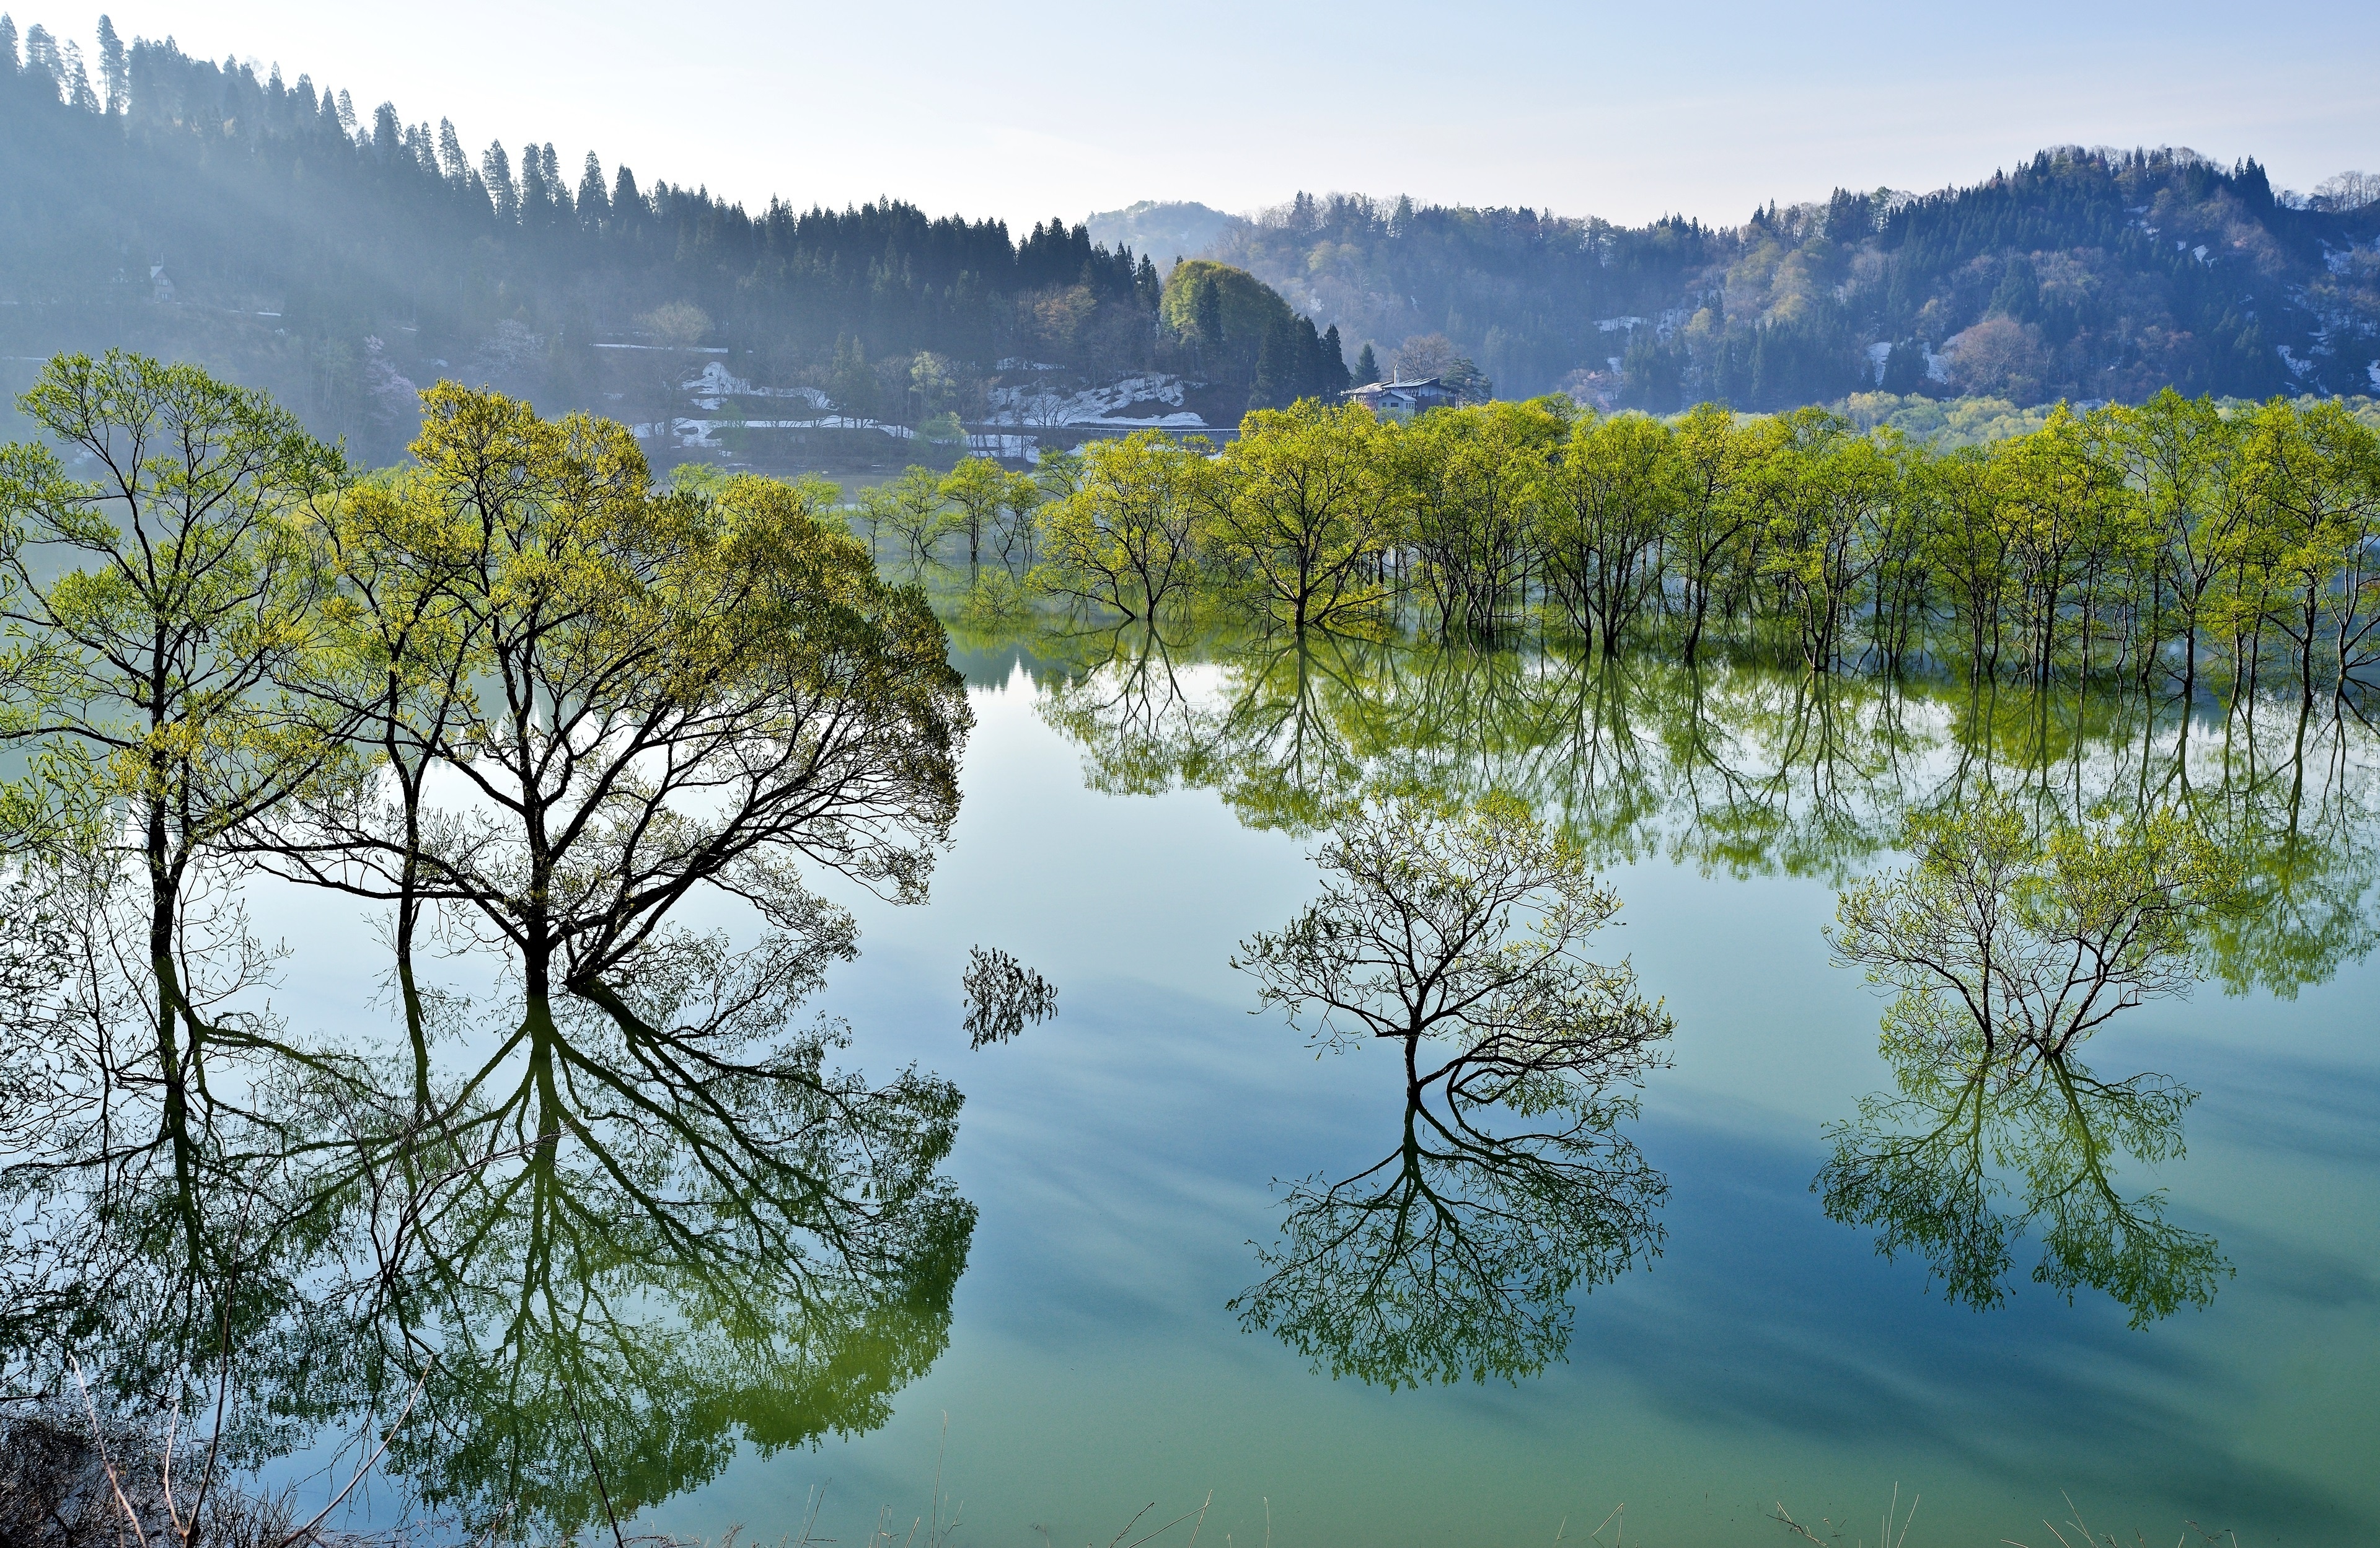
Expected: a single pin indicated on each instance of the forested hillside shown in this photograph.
(341, 256)
(2087, 274)
(338, 257)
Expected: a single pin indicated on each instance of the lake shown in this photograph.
(1131, 813)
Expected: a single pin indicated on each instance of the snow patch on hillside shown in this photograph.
(702, 434)
(1105, 407)
(717, 382)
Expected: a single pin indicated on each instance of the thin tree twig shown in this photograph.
(101, 1441)
(386, 1436)
(597, 1468)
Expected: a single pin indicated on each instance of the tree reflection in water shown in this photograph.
(1456, 1254)
(645, 1233)
(603, 1257)
(1740, 768)
(1510, 1185)
(1966, 1159)
(2008, 942)
(1744, 769)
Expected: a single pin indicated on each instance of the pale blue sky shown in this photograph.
(1626, 112)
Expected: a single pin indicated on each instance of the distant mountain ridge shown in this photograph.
(1165, 231)
(2081, 273)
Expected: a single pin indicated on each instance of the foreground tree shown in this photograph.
(516, 692)
(666, 692)
(2030, 940)
(163, 612)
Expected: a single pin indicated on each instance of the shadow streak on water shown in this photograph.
(1762, 1316)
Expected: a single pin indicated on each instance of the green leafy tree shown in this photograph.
(667, 693)
(165, 612)
(1714, 521)
(1125, 537)
(1016, 525)
(1471, 483)
(2178, 454)
(974, 492)
(2028, 941)
(914, 506)
(1968, 546)
(2062, 499)
(1827, 492)
(2316, 479)
(1613, 492)
(1302, 505)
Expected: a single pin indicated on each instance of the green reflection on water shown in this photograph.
(1734, 768)
(1744, 769)
(649, 1244)
(1963, 1161)
(569, 1270)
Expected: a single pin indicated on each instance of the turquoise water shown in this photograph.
(1126, 825)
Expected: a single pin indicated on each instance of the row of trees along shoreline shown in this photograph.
(2159, 541)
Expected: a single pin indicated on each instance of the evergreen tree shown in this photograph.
(1206, 307)
(1904, 369)
(627, 202)
(75, 80)
(557, 192)
(1278, 358)
(452, 165)
(1367, 368)
(496, 169)
(112, 73)
(593, 207)
(1330, 375)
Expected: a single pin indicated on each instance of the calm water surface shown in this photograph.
(1122, 830)
(1131, 814)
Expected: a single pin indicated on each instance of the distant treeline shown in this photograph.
(2157, 542)
(276, 193)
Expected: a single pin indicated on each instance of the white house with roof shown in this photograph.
(1402, 400)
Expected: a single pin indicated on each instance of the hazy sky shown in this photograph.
(1626, 112)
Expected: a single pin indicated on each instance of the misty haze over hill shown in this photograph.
(340, 255)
